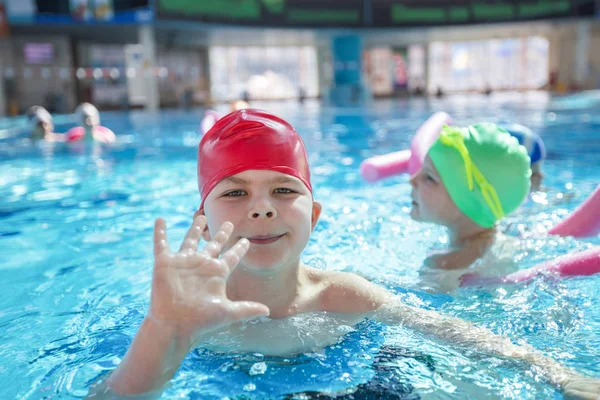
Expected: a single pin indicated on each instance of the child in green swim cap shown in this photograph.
(471, 178)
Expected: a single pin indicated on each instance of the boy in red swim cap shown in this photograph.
(257, 213)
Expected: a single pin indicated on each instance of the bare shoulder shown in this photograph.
(347, 292)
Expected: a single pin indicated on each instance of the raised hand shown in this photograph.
(188, 287)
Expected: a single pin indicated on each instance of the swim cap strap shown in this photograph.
(453, 137)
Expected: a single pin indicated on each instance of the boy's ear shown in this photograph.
(205, 234)
(316, 212)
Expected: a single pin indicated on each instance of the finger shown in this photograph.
(233, 256)
(244, 310)
(215, 246)
(161, 244)
(190, 242)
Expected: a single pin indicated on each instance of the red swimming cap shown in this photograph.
(250, 139)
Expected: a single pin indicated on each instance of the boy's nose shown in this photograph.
(262, 211)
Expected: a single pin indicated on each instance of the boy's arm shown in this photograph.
(351, 293)
(188, 301)
(152, 359)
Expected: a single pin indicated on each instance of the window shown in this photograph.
(263, 72)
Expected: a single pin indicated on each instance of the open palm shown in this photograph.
(188, 287)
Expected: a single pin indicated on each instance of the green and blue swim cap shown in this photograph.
(484, 169)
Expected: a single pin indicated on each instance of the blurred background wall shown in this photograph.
(123, 54)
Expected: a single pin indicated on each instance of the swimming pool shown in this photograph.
(76, 250)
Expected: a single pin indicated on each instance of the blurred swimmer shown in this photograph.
(90, 128)
(42, 126)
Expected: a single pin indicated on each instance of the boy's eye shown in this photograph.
(283, 191)
(430, 178)
(235, 193)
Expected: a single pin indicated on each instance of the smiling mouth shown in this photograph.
(264, 239)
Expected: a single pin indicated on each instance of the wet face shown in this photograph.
(89, 116)
(274, 211)
(40, 129)
(431, 201)
(89, 121)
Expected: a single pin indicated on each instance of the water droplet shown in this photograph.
(258, 368)
(250, 387)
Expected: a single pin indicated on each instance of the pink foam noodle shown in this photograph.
(410, 161)
(426, 135)
(584, 221)
(75, 134)
(101, 134)
(384, 166)
(583, 263)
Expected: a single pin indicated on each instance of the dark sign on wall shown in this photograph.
(423, 13)
(347, 13)
(369, 13)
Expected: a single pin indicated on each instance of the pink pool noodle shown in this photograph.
(584, 221)
(379, 167)
(384, 166)
(77, 133)
(583, 263)
(426, 135)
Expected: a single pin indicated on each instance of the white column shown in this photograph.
(146, 39)
(582, 48)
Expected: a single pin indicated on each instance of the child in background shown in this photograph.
(90, 129)
(257, 213)
(471, 178)
(42, 126)
(536, 150)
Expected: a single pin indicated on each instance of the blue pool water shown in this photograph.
(76, 256)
